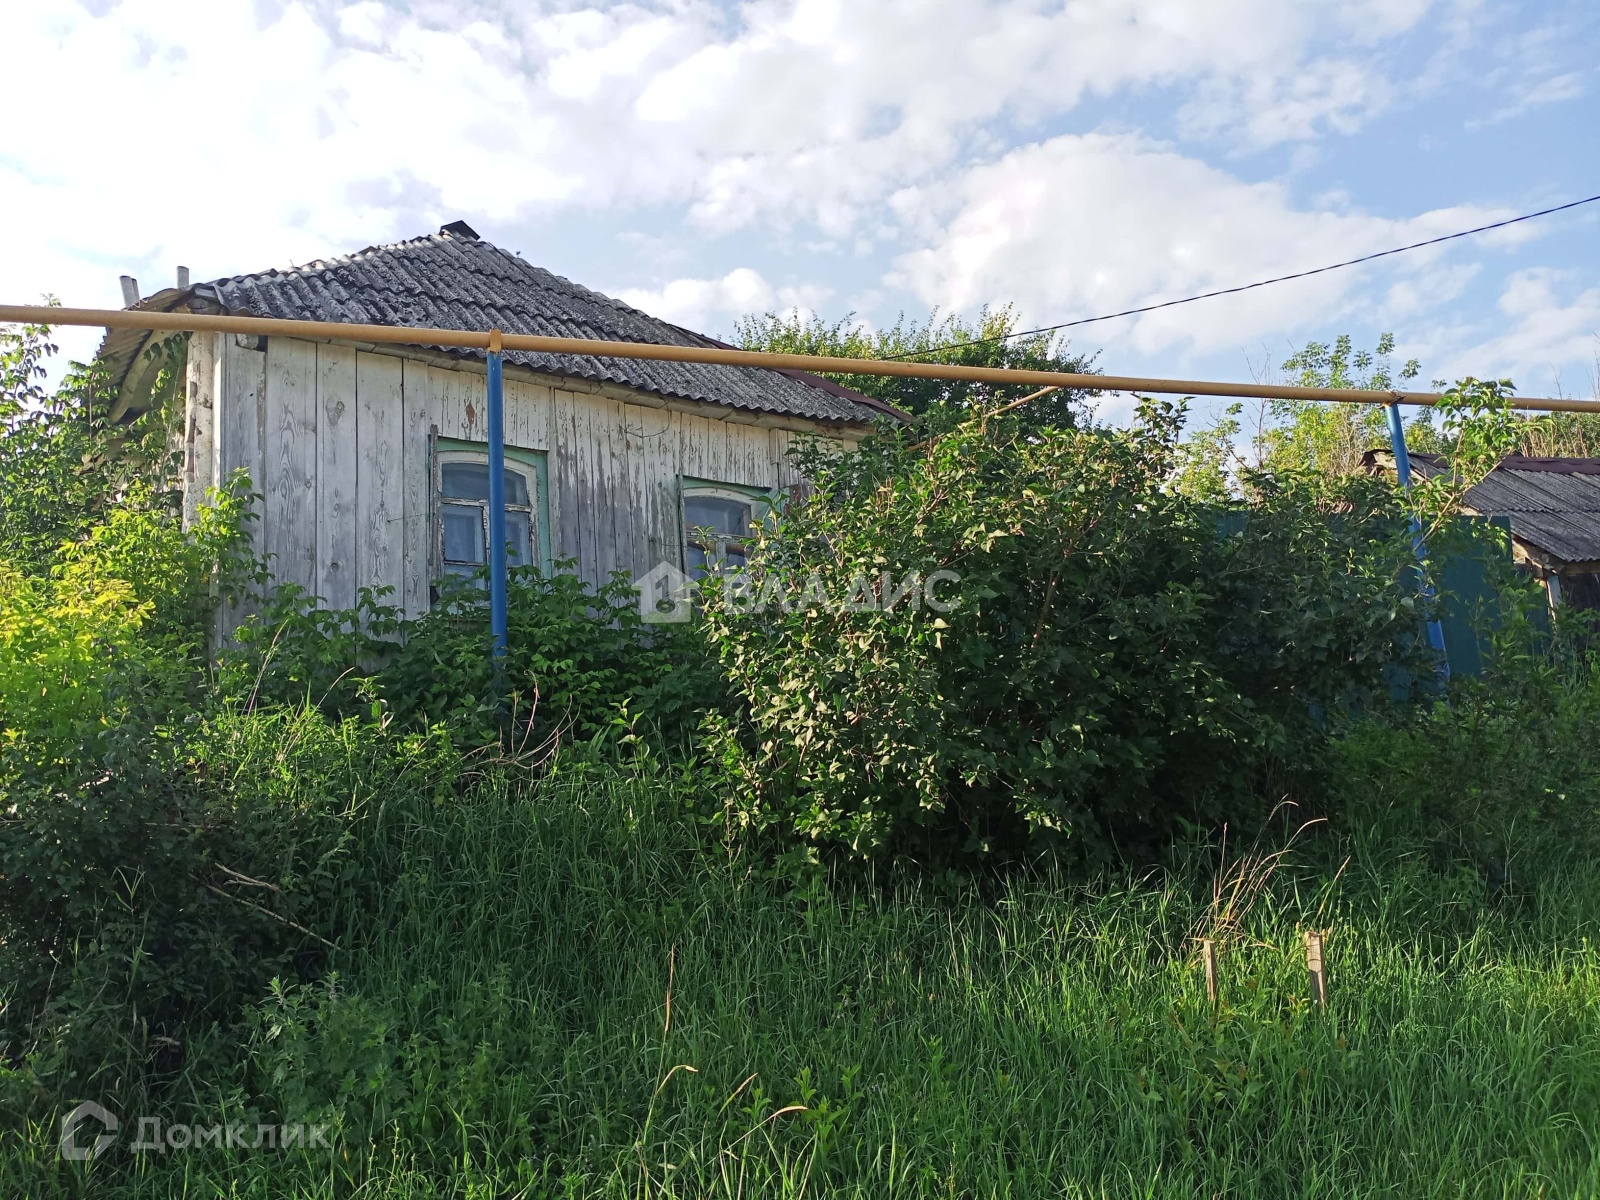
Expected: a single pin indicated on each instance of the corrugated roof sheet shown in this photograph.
(1552, 503)
(455, 280)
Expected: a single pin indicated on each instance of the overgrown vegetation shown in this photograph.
(886, 900)
(1330, 439)
(577, 663)
(1116, 659)
(949, 341)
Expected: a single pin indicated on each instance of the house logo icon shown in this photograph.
(87, 1111)
(666, 595)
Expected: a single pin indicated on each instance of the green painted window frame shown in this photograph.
(769, 499)
(537, 460)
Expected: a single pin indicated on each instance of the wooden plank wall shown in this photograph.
(240, 434)
(337, 442)
(336, 475)
(289, 506)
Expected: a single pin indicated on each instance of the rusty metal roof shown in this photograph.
(1553, 504)
(455, 280)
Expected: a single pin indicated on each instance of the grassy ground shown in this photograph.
(566, 998)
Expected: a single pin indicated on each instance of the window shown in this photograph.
(464, 514)
(716, 523)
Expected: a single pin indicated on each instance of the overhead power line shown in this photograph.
(1130, 312)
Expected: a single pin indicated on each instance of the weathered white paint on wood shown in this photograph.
(527, 415)
(594, 520)
(240, 421)
(652, 447)
(421, 415)
(462, 400)
(380, 496)
(566, 517)
(552, 493)
(289, 519)
(780, 457)
(339, 441)
(612, 491)
(242, 416)
(702, 447)
(438, 391)
(199, 423)
(750, 460)
(338, 476)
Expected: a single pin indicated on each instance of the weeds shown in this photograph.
(501, 1027)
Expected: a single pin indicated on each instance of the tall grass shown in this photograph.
(566, 996)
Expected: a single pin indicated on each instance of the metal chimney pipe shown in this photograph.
(130, 291)
(183, 279)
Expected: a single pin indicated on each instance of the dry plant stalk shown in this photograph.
(1238, 885)
(1208, 955)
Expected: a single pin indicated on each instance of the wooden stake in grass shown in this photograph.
(1208, 956)
(1315, 969)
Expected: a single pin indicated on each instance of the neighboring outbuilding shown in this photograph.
(372, 459)
(1553, 506)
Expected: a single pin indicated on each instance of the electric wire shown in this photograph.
(1130, 312)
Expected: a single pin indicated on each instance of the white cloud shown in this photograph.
(694, 303)
(1425, 290)
(1529, 95)
(1547, 327)
(1084, 225)
(1266, 109)
(234, 137)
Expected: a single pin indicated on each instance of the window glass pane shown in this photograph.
(465, 480)
(470, 481)
(516, 488)
(717, 557)
(517, 539)
(697, 562)
(463, 533)
(731, 518)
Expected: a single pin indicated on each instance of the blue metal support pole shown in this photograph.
(1402, 468)
(497, 498)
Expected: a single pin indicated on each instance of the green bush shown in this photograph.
(1504, 776)
(1121, 659)
(578, 661)
(153, 872)
(144, 904)
(64, 466)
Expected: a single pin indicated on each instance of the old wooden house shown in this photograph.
(371, 460)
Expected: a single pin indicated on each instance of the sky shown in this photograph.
(703, 161)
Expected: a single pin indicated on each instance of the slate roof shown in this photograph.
(1553, 504)
(455, 280)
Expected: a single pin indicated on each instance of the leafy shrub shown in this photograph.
(576, 661)
(1121, 659)
(115, 632)
(64, 467)
(144, 904)
(992, 340)
(119, 923)
(56, 638)
(1503, 772)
